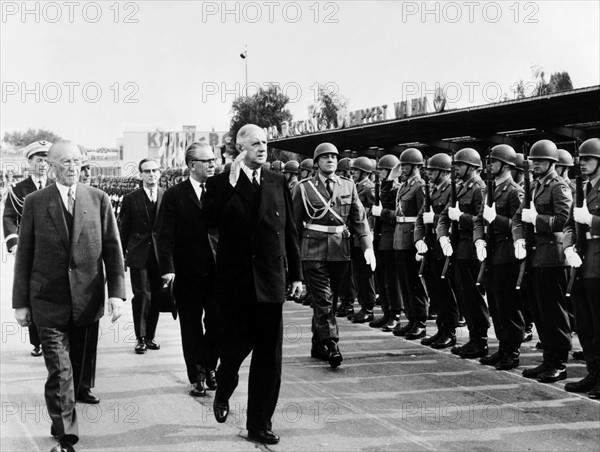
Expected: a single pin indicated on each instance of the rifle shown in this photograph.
(377, 220)
(454, 224)
(579, 200)
(488, 229)
(527, 227)
(427, 207)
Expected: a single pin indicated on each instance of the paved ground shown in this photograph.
(389, 394)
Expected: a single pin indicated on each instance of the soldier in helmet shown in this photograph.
(441, 294)
(290, 171)
(343, 168)
(517, 172)
(327, 208)
(546, 273)
(277, 166)
(586, 220)
(565, 161)
(409, 200)
(466, 266)
(386, 273)
(492, 226)
(306, 169)
(364, 277)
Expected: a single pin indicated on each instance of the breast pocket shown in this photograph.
(345, 205)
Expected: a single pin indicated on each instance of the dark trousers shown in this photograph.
(257, 328)
(145, 282)
(34, 338)
(61, 383)
(196, 299)
(413, 293)
(546, 287)
(322, 277)
(365, 279)
(469, 296)
(441, 296)
(505, 304)
(585, 295)
(347, 290)
(388, 284)
(83, 342)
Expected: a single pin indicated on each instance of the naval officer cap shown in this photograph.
(37, 147)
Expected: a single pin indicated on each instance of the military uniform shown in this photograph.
(502, 272)
(324, 223)
(546, 273)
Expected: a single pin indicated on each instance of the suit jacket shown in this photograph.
(139, 232)
(183, 246)
(59, 276)
(258, 245)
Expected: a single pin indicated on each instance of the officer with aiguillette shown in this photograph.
(327, 207)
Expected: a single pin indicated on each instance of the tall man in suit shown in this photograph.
(36, 154)
(186, 260)
(68, 237)
(138, 227)
(258, 245)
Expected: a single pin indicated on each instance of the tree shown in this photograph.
(327, 107)
(21, 139)
(265, 108)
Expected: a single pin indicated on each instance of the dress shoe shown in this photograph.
(362, 316)
(320, 352)
(456, 349)
(344, 309)
(584, 385)
(53, 432)
(431, 339)
(444, 341)
(539, 345)
(391, 324)
(220, 409)
(140, 347)
(578, 355)
(211, 380)
(152, 345)
(474, 349)
(535, 372)
(402, 330)
(85, 396)
(508, 362)
(462, 321)
(198, 390)
(63, 446)
(528, 333)
(335, 357)
(380, 321)
(492, 359)
(263, 436)
(595, 392)
(37, 351)
(553, 374)
(431, 316)
(416, 332)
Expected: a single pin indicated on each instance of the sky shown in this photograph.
(89, 71)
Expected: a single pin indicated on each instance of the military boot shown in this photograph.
(378, 322)
(510, 360)
(584, 385)
(492, 359)
(391, 324)
(362, 316)
(346, 307)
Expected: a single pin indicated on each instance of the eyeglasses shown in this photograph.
(209, 161)
(150, 171)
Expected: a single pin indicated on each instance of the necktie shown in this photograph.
(329, 186)
(70, 201)
(40, 184)
(201, 190)
(152, 198)
(255, 179)
(588, 189)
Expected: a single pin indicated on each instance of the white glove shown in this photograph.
(13, 250)
(520, 249)
(114, 308)
(395, 173)
(529, 215)
(167, 278)
(418, 257)
(376, 210)
(370, 258)
(480, 248)
(421, 246)
(429, 216)
(582, 215)
(454, 212)
(489, 213)
(572, 257)
(446, 246)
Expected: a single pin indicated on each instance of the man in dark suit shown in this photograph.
(186, 259)
(36, 153)
(257, 247)
(68, 236)
(139, 237)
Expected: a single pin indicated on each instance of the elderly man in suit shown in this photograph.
(186, 259)
(138, 227)
(258, 245)
(68, 238)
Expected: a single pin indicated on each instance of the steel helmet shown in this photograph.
(504, 153)
(590, 148)
(565, 158)
(440, 162)
(277, 166)
(291, 167)
(307, 164)
(544, 150)
(325, 148)
(266, 166)
(364, 164)
(388, 162)
(411, 156)
(344, 164)
(469, 156)
(519, 161)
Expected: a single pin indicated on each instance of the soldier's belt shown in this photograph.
(406, 219)
(589, 236)
(326, 229)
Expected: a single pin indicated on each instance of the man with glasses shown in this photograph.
(187, 262)
(139, 238)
